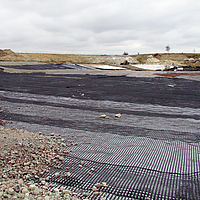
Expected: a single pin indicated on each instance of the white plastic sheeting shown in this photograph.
(150, 67)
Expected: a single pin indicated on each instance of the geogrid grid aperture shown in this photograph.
(130, 181)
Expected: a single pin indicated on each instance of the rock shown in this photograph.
(36, 191)
(118, 115)
(69, 192)
(62, 144)
(64, 191)
(17, 188)
(32, 187)
(62, 188)
(86, 194)
(56, 190)
(20, 195)
(82, 162)
(57, 196)
(102, 116)
(152, 60)
(52, 134)
(3, 187)
(61, 158)
(20, 182)
(43, 182)
(57, 174)
(97, 193)
(104, 184)
(8, 196)
(24, 190)
(94, 189)
(98, 185)
(10, 191)
(68, 174)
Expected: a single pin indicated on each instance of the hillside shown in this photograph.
(181, 59)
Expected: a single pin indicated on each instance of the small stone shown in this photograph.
(26, 195)
(3, 187)
(68, 174)
(17, 188)
(10, 191)
(63, 144)
(52, 134)
(57, 174)
(104, 184)
(24, 190)
(86, 194)
(43, 182)
(118, 115)
(27, 163)
(8, 196)
(80, 166)
(92, 169)
(64, 191)
(82, 162)
(98, 184)
(32, 187)
(97, 193)
(46, 184)
(94, 189)
(56, 190)
(20, 195)
(57, 196)
(69, 192)
(102, 116)
(36, 191)
(61, 158)
(62, 188)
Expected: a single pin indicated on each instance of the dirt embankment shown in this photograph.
(185, 60)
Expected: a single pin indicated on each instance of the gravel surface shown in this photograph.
(26, 156)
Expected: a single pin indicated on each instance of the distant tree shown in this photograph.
(125, 53)
(167, 48)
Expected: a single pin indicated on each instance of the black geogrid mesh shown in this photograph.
(174, 169)
(126, 182)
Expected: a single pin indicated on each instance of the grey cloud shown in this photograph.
(89, 26)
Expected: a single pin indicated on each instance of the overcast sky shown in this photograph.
(100, 26)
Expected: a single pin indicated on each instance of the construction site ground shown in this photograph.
(152, 151)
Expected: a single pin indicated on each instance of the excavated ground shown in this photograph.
(150, 152)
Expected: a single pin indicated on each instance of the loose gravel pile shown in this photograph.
(24, 157)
